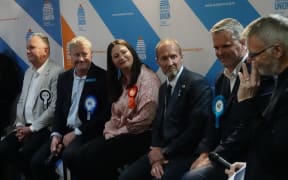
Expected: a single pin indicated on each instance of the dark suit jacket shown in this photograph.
(181, 127)
(10, 86)
(217, 138)
(95, 85)
(226, 121)
(268, 149)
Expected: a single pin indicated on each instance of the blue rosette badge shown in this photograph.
(90, 105)
(218, 105)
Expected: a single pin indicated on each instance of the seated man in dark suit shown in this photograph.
(231, 51)
(267, 142)
(184, 106)
(82, 108)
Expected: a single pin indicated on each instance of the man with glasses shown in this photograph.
(268, 141)
(253, 55)
(232, 52)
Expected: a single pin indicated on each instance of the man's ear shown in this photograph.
(157, 61)
(278, 50)
(243, 43)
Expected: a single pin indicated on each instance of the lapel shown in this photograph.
(162, 107)
(90, 81)
(280, 87)
(222, 87)
(178, 89)
(162, 91)
(69, 86)
(26, 84)
(278, 90)
(25, 88)
(40, 86)
(267, 114)
(233, 94)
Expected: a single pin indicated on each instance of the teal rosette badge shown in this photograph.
(90, 105)
(218, 105)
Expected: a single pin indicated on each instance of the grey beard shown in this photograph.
(271, 70)
(172, 74)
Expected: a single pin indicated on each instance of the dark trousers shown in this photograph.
(43, 170)
(100, 158)
(17, 155)
(206, 173)
(173, 170)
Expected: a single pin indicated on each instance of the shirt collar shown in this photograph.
(234, 73)
(40, 70)
(78, 77)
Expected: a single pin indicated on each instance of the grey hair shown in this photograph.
(79, 40)
(228, 24)
(43, 37)
(269, 29)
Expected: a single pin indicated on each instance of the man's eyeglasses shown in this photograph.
(253, 55)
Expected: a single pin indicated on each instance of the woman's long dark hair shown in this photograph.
(113, 79)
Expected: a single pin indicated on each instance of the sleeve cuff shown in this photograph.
(164, 152)
(56, 134)
(32, 129)
(18, 124)
(77, 131)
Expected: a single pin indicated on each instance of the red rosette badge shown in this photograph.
(132, 92)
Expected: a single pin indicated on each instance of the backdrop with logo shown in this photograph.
(141, 22)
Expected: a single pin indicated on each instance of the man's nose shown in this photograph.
(170, 61)
(219, 51)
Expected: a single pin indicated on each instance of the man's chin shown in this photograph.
(171, 74)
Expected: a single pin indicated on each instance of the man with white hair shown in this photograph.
(81, 110)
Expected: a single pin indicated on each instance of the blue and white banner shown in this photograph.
(141, 23)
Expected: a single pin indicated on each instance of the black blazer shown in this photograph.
(216, 139)
(95, 85)
(181, 127)
(268, 149)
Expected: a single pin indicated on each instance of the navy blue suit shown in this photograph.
(178, 128)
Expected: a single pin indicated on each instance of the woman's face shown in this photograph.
(122, 57)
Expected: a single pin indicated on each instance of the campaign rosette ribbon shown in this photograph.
(132, 92)
(90, 105)
(45, 96)
(218, 105)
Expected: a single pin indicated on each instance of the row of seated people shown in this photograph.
(99, 116)
(102, 120)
